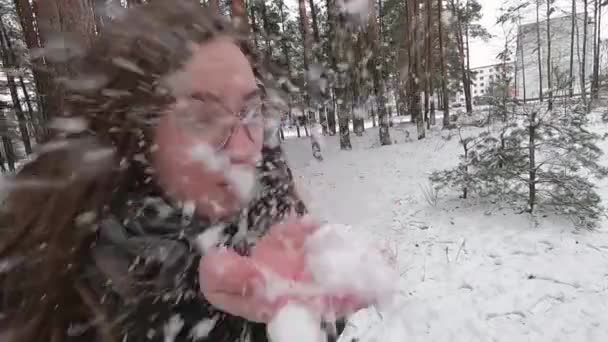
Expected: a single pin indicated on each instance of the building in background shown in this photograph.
(527, 76)
(483, 80)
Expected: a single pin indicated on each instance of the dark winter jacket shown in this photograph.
(145, 263)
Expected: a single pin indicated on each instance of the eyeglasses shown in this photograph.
(206, 116)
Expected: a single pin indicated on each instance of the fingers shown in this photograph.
(232, 283)
(293, 232)
(250, 308)
(281, 249)
(225, 271)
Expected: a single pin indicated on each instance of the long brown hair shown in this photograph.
(60, 196)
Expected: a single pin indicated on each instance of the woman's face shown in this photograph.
(209, 142)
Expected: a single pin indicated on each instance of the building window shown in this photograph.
(482, 91)
(481, 85)
(481, 78)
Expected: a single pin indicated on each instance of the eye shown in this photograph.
(252, 115)
(207, 112)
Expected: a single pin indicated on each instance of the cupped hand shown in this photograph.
(255, 287)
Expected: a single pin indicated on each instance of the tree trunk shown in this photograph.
(414, 69)
(599, 44)
(466, 82)
(2, 162)
(584, 59)
(318, 56)
(9, 151)
(55, 17)
(315, 24)
(343, 123)
(532, 156)
(331, 115)
(427, 107)
(444, 88)
(339, 38)
(355, 85)
(307, 43)
(33, 119)
(465, 189)
(540, 58)
(430, 116)
(373, 114)
(403, 100)
(8, 61)
(331, 23)
(596, 50)
(266, 26)
(523, 63)
(323, 118)
(468, 55)
(307, 48)
(549, 68)
(285, 50)
(571, 81)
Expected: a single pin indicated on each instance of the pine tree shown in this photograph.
(536, 159)
(533, 158)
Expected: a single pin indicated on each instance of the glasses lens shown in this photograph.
(206, 120)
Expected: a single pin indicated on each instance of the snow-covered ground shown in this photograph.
(470, 271)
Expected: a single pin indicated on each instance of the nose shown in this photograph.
(240, 147)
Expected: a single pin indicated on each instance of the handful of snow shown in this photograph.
(341, 262)
(344, 261)
(295, 323)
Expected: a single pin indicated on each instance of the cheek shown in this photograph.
(257, 135)
(184, 178)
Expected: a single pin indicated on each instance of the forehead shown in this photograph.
(220, 68)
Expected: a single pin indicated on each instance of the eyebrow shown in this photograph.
(257, 92)
(205, 96)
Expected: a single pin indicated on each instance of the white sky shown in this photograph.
(484, 53)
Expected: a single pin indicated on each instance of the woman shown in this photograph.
(163, 155)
